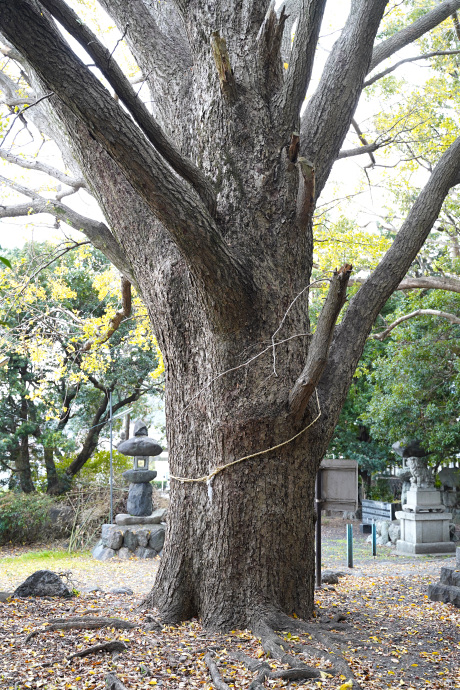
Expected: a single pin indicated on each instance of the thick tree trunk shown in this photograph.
(225, 275)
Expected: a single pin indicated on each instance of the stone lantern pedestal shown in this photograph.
(424, 524)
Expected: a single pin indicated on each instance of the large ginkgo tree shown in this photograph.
(208, 193)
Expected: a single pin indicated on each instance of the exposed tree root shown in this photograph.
(280, 649)
(82, 623)
(114, 646)
(113, 683)
(219, 684)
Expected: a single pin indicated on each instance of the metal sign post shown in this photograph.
(318, 502)
(111, 459)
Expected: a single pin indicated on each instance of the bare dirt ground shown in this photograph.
(377, 621)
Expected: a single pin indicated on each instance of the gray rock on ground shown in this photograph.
(124, 553)
(4, 596)
(42, 583)
(329, 577)
(131, 540)
(447, 589)
(145, 552)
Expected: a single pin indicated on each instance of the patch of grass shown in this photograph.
(40, 556)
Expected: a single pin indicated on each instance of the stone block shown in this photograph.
(140, 499)
(394, 532)
(450, 576)
(124, 553)
(445, 593)
(139, 476)
(409, 548)
(130, 539)
(101, 552)
(112, 536)
(143, 536)
(142, 552)
(157, 538)
(155, 518)
(457, 558)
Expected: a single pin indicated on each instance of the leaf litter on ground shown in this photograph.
(393, 636)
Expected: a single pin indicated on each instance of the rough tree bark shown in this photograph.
(225, 274)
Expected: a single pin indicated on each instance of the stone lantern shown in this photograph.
(141, 447)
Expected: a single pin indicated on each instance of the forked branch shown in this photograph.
(320, 342)
(418, 312)
(410, 33)
(301, 60)
(178, 208)
(124, 90)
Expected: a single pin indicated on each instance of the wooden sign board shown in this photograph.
(339, 485)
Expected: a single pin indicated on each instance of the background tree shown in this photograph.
(209, 212)
(54, 391)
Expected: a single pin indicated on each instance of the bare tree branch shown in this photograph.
(292, 11)
(426, 56)
(418, 312)
(330, 110)
(319, 346)
(114, 75)
(360, 150)
(424, 283)
(301, 61)
(42, 167)
(98, 233)
(410, 33)
(179, 210)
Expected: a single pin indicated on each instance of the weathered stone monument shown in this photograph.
(141, 531)
(424, 524)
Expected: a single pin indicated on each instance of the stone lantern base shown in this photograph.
(424, 533)
(132, 535)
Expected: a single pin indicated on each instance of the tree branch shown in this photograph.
(268, 50)
(424, 283)
(183, 215)
(122, 87)
(426, 56)
(44, 168)
(369, 300)
(301, 61)
(418, 312)
(410, 33)
(360, 150)
(330, 110)
(98, 233)
(319, 346)
(116, 321)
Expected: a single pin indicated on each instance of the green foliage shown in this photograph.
(24, 518)
(380, 491)
(416, 385)
(96, 470)
(352, 438)
(54, 390)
